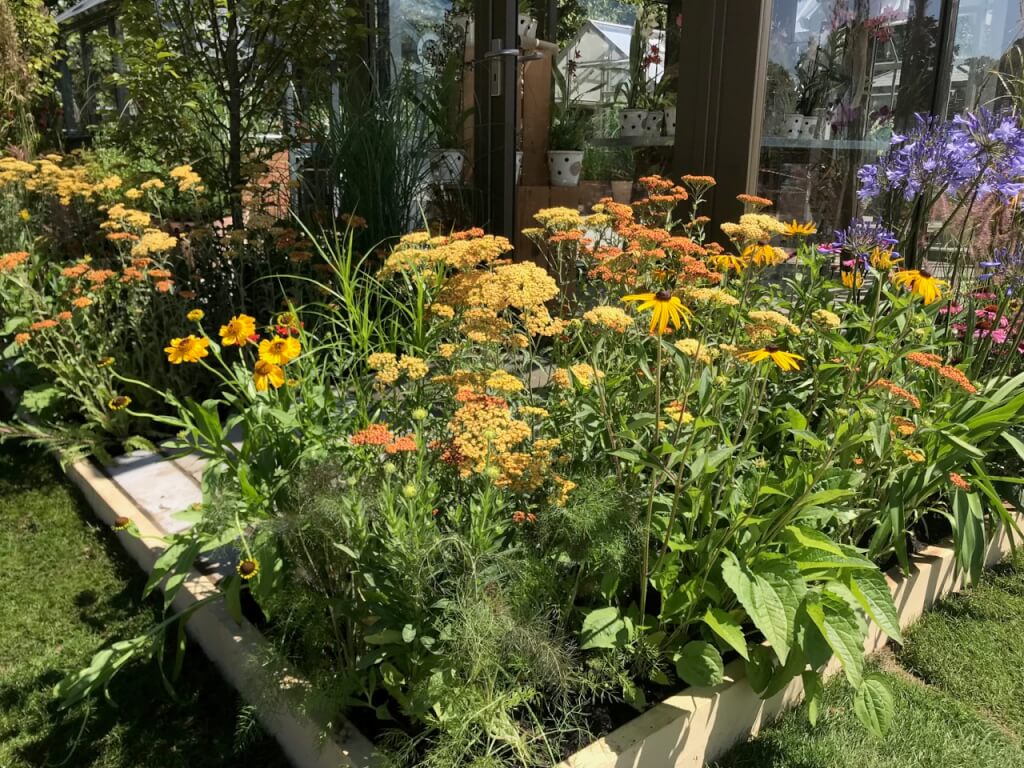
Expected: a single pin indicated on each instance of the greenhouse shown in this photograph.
(464, 384)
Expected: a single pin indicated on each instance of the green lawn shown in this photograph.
(958, 683)
(66, 590)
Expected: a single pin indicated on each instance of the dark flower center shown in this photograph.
(247, 567)
(772, 350)
(663, 295)
(925, 273)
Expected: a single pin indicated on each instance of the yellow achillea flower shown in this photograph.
(795, 229)
(248, 568)
(266, 375)
(612, 318)
(238, 331)
(280, 350)
(119, 402)
(195, 315)
(787, 361)
(190, 349)
(666, 307)
(828, 319)
(920, 282)
(415, 368)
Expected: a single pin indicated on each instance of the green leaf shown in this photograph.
(874, 705)
(760, 667)
(969, 533)
(843, 630)
(603, 628)
(408, 633)
(384, 637)
(727, 628)
(700, 663)
(971, 450)
(811, 539)
(813, 690)
(770, 596)
(41, 398)
(872, 592)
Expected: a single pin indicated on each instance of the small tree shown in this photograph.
(28, 36)
(215, 73)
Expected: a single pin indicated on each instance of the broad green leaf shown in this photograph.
(760, 667)
(770, 596)
(727, 628)
(843, 630)
(603, 628)
(700, 663)
(811, 539)
(1014, 443)
(973, 451)
(872, 591)
(813, 690)
(969, 533)
(384, 637)
(874, 705)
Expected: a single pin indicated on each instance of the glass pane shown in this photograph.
(415, 30)
(842, 75)
(987, 32)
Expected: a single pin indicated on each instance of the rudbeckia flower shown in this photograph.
(852, 279)
(666, 309)
(724, 262)
(195, 315)
(880, 258)
(266, 374)
(238, 331)
(796, 229)
(119, 402)
(787, 361)
(920, 282)
(190, 349)
(279, 350)
(764, 254)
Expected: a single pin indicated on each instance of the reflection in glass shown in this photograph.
(987, 33)
(842, 75)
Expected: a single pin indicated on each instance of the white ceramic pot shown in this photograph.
(797, 126)
(527, 32)
(631, 122)
(565, 167)
(519, 166)
(670, 121)
(622, 191)
(448, 165)
(653, 122)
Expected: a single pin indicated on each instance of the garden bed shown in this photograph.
(688, 729)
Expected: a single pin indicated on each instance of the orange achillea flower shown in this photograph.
(22, 338)
(755, 201)
(957, 377)
(81, 302)
(959, 482)
(141, 262)
(42, 325)
(238, 331)
(684, 246)
(373, 435)
(160, 274)
(896, 391)
(404, 444)
(119, 236)
(358, 222)
(571, 235)
(10, 261)
(76, 271)
(164, 286)
(904, 425)
(99, 276)
(62, 316)
(915, 456)
(299, 257)
(132, 275)
(925, 359)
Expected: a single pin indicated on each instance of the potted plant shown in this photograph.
(566, 137)
(442, 103)
(527, 26)
(633, 119)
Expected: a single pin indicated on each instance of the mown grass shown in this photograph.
(931, 730)
(971, 646)
(66, 591)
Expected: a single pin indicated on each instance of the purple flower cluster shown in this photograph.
(860, 239)
(976, 150)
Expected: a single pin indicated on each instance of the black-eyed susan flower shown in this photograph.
(920, 282)
(238, 331)
(764, 254)
(195, 315)
(266, 375)
(796, 229)
(851, 279)
(882, 259)
(787, 361)
(248, 568)
(280, 350)
(119, 402)
(728, 262)
(666, 309)
(190, 349)
(105, 362)
(122, 523)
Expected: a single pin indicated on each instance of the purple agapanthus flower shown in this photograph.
(980, 150)
(859, 240)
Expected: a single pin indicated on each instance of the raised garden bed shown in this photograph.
(688, 729)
